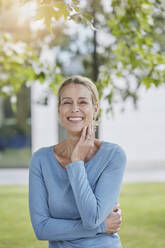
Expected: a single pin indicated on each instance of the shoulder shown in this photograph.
(114, 151)
(109, 146)
(38, 159)
(40, 154)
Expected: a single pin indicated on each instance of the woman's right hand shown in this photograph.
(113, 221)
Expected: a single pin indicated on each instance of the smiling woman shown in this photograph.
(74, 185)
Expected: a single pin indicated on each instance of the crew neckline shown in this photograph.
(85, 163)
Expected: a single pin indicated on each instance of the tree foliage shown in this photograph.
(15, 65)
(20, 66)
(134, 54)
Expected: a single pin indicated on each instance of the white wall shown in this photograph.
(44, 118)
(141, 133)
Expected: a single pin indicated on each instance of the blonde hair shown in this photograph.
(80, 80)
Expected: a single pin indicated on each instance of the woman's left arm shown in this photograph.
(95, 206)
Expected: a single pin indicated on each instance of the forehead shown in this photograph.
(75, 91)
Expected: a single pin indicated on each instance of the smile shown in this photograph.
(75, 118)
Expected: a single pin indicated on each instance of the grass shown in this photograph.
(143, 211)
(15, 228)
(15, 158)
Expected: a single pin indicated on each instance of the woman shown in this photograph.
(74, 186)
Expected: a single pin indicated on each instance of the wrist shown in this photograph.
(75, 159)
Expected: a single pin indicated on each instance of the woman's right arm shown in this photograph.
(46, 227)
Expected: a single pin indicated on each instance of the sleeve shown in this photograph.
(46, 227)
(95, 206)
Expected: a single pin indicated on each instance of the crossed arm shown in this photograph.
(46, 227)
(93, 207)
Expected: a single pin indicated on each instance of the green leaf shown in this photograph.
(147, 81)
(118, 74)
(62, 10)
(148, 41)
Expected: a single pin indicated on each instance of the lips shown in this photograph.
(75, 118)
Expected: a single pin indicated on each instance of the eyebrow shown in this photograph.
(63, 98)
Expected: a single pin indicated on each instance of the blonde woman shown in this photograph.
(74, 185)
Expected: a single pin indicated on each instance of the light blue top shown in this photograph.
(68, 207)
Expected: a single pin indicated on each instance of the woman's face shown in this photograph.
(76, 109)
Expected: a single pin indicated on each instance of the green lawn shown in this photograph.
(143, 210)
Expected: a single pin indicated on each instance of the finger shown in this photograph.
(118, 229)
(93, 131)
(90, 130)
(116, 207)
(89, 134)
(118, 222)
(83, 134)
(119, 212)
(115, 216)
(87, 131)
(112, 215)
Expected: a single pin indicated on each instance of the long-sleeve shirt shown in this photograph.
(68, 207)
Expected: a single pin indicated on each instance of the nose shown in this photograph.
(75, 107)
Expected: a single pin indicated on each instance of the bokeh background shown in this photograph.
(120, 46)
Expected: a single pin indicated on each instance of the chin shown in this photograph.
(74, 130)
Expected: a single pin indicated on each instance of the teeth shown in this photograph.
(75, 119)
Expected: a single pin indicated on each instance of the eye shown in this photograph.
(83, 102)
(66, 102)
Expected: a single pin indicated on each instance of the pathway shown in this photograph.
(136, 173)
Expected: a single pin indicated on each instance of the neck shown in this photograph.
(71, 141)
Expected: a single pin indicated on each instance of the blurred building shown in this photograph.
(44, 118)
(140, 132)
